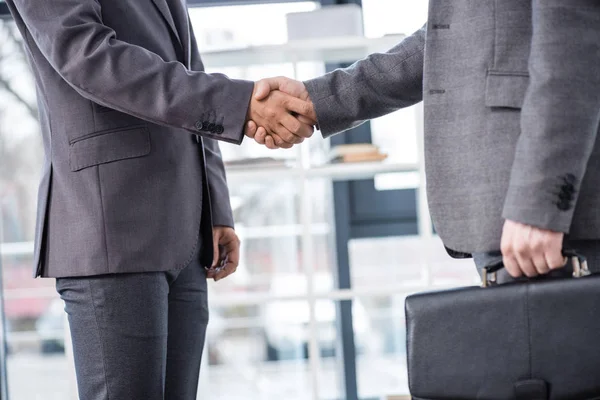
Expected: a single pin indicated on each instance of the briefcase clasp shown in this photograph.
(580, 268)
(488, 278)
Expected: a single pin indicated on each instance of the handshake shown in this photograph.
(281, 113)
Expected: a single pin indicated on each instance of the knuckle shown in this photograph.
(288, 137)
(530, 274)
(542, 268)
(537, 246)
(521, 249)
(296, 127)
(547, 241)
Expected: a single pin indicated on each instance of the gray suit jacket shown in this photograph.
(128, 182)
(511, 91)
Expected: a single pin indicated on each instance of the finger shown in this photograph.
(229, 269)
(536, 253)
(261, 131)
(511, 266)
(233, 257)
(216, 252)
(286, 127)
(306, 120)
(555, 259)
(540, 264)
(251, 129)
(270, 143)
(261, 89)
(306, 131)
(211, 273)
(266, 86)
(508, 258)
(301, 107)
(279, 142)
(294, 131)
(525, 262)
(261, 135)
(232, 249)
(553, 254)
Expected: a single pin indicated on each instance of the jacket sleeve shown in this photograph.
(560, 115)
(89, 57)
(222, 214)
(372, 87)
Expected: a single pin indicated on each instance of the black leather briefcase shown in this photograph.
(533, 340)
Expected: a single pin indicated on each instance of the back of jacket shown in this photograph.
(122, 100)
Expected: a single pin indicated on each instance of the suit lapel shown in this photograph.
(184, 26)
(163, 7)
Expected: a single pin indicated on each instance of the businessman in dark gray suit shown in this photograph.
(512, 113)
(133, 202)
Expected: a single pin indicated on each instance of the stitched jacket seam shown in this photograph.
(44, 222)
(103, 219)
(496, 72)
(107, 132)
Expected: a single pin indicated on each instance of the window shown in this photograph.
(34, 314)
(396, 133)
(262, 338)
(261, 331)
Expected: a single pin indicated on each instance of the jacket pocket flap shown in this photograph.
(107, 146)
(505, 89)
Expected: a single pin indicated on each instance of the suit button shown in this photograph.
(211, 128)
(566, 195)
(199, 125)
(220, 129)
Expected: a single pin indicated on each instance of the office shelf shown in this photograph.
(330, 50)
(335, 172)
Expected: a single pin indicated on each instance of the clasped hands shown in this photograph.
(281, 113)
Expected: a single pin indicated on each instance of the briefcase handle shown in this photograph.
(579, 262)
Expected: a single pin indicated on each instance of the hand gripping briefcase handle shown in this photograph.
(579, 263)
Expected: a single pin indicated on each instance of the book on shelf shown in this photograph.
(359, 152)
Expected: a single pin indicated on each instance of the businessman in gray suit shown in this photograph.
(512, 111)
(134, 210)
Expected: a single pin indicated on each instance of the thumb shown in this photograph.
(251, 129)
(216, 252)
(306, 120)
(266, 86)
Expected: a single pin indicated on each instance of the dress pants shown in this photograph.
(590, 249)
(137, 336)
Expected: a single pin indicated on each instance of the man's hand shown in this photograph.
(225, 262)
(275, 113)
(530, 251)
(263, 89)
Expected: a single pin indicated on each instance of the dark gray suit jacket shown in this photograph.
(511, 91)
(128, 182)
